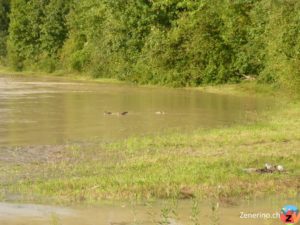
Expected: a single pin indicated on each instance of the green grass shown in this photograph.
(246, 88)
(207, 162)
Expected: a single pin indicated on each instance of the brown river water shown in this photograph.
(42, 111)
(267, 213)
(53, 111)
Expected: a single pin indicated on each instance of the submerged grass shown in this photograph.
(207, 163)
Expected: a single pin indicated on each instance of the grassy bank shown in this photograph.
(244, 88)
(204, 163)
(60, 74)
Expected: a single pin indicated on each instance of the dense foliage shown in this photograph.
(4, 23)
(168, 42)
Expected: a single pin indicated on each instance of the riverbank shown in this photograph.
(207, 163)
(241, 89)
(61, 74)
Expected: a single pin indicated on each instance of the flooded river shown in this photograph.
(40, 111)
(53, 111)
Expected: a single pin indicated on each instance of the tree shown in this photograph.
(54, 28)
(4, 23)
(24, 44)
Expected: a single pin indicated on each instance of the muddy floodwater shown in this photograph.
(37, 114)
(246, 213)
(42, 111)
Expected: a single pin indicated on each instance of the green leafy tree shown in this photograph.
(282, 45)
(54, 28)
(4, 23)
(25, 31)
(54, 32)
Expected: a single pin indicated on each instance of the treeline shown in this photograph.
(168, 42)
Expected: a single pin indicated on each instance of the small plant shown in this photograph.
(169, 212)
(214, 216)
(165, 214)
(174, 208)
(195, 212)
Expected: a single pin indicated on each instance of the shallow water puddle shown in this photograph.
(31, 214)
(158, 213)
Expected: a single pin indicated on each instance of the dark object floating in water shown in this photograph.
(268, 168)
(115, 113)
(107, 113)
